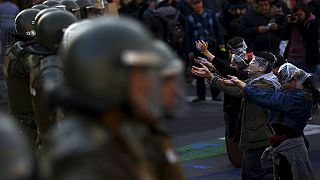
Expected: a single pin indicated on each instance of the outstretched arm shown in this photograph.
(223, 68)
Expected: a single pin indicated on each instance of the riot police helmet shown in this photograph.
(50, 28)
(42, 12)
(98, 60)
(24, 23)
(40, 6)
(51, 3)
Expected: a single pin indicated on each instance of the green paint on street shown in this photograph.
(203, 149)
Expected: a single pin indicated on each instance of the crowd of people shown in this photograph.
(89, 83)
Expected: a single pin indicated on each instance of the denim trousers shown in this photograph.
(251, 167)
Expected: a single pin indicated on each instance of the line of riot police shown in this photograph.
(89, 94)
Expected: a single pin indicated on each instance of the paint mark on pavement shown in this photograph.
(202, 149)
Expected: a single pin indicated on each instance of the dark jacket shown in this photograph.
(230, 16)
(16, 74)
(231, 104)
(309, 33)
(268, 41)
(255, 131)
(203, 26)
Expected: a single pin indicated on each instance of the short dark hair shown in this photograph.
(268, 59)
(234, 42)
(304, 7)
(279, 62)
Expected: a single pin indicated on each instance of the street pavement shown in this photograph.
(198, 134)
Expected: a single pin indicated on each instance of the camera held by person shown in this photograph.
(292, 18)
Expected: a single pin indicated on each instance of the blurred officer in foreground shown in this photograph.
(17, 161)
(16, 73)
(45, 68)
(115, 79)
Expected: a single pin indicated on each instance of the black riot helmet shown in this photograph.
(50, 28)
(24, 23)
(72, 7)
(40, 6)
(51, 3)
(42, 12)
(87, 8)
(98, 60)
(71, 32)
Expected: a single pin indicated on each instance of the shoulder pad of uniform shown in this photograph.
(74, 137)
(36, 48)
(17, 48)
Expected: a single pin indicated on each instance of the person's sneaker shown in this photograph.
(196, 100)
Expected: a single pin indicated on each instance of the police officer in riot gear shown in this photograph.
(111, 82)
(16, 74)
(46, 69)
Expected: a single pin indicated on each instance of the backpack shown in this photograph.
(173, 30)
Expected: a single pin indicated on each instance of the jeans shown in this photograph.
(251, 167)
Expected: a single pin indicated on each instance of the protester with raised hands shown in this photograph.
(231, 104)
(252, 131)
(238, 57)
(290, 110)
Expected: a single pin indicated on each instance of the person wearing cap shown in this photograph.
(202, 24)
(252, 131)
(291, 108)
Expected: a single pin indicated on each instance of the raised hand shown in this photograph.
(236, 82)
(202, 46)
(201, 71)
